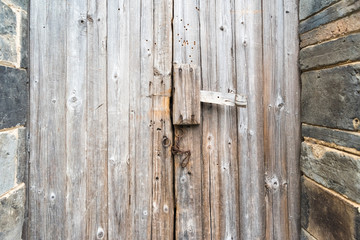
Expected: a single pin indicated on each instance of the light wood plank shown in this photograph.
(190, 214)
(120, 196)
(249, 52)
(96, 214)
(48, 123)
(162, 129)
(281, 129)
(76, 115)
(227, 99)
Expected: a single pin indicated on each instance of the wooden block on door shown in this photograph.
(186, 92)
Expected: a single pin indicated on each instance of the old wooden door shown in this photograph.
(106, 161)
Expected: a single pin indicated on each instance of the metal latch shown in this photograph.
(188, 96)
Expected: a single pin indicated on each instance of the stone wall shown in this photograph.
(13, 114)
(330, 158)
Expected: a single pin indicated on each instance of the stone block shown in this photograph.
(7, 20)
(306, 236)
(334, 169)
(22, 4)
(336, 11)
(327, 215)
(341, 50)
(310, 7)
(12, 209)
(13, 97)
(336, 138)
(8, 49)
(12, 158)
(331, 30)
(24, 33)
(331, 97)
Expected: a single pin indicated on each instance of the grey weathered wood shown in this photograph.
(190, 214)
(162, 129)
(326, 214)
(341, 50)
(318, 162)
(96, 164)
(48, 161)
(281, 119)
(333, 136)
(76, 121)
(249, 53)
(332, 13)
(186, 94)
(227, 99)
(330, 97)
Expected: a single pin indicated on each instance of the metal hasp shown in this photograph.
(187, 96)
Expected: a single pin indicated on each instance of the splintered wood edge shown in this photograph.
(227, 99)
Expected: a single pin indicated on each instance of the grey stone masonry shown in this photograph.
(12, 213)
(12, 158)
(13, 33)
(13, 97)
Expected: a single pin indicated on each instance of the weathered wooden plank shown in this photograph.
(334, 169)
(47, 197)
(249, 53)
(186, 94)
(341, 50)
(190, 216)
(331, 30)
(330, 97)
(162, 129)
(120, 196)
(282, 120)
(326, 214)
(76, 115)
(227, 99)
(333, 136)
(209, 120)
(96, 164)
(332, 13)
(310, 7)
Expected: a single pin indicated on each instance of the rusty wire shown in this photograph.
(175, 150)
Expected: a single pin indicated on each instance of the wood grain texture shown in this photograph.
(186, 94)
(281, 119)
(48, 161)
(162, 135)
(227, 99)
(250, 81)
(190, 217)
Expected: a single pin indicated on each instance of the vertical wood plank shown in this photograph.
(219, 147)
(281, 129)
(162, 135)
(96, 167)
(118, 87)
(192, 213)
(48, 134)
(248, 35)
(76, 74)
